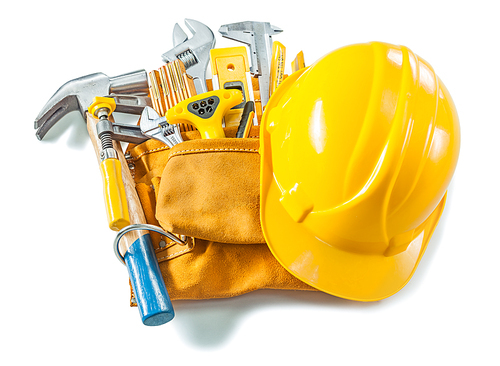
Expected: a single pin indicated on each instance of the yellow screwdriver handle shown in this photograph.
(114, 194)
(205, 111)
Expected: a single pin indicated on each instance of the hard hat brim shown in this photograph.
(373, 234)
(346, 274)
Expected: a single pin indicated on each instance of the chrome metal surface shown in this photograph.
(77, 95)
(258, 36)
(195, 50)
(134, 227)
(158, 128)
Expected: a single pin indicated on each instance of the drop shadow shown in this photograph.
(72, 125)
(420, 276)
(210, 323)
(75, 127)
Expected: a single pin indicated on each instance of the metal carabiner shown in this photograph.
(134, 227)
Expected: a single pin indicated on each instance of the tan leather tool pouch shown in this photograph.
(208, 190)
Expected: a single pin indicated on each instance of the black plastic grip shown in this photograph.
(245, 119)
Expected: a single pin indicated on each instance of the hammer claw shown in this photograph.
(53, 112)
(74, 95)
(77, 95)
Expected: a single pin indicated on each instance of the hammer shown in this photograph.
(130, 92)
(153, 301)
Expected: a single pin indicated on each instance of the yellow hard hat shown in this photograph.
(357, 152)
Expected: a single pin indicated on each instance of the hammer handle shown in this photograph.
(152, 297)
(114, 194)
(134, 205)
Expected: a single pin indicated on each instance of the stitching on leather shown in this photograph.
(150, 151)
(210, 150)
(176, 253)
(178, 152)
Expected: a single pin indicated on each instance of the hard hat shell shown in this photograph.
(357, 152)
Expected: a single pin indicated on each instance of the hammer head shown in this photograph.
(75, 95)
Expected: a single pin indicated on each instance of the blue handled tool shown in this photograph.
(147, 282)
(152, 297)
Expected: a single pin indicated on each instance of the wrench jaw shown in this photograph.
(199, 72)
(156, 127)
(148, 117)
(202, 36)
(193, 52)
(178, 36)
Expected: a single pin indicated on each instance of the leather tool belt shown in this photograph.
(208, 191)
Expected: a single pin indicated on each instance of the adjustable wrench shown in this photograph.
(204, 111)
(156, 127)
(193, 52)
(258, 36)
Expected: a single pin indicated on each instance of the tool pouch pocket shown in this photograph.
(208, 189)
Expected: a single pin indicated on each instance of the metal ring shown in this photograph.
(148, 227)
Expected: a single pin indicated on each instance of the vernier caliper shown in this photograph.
(258, 36)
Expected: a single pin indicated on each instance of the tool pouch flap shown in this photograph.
(210, 190)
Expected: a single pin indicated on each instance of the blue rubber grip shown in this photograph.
(150, 291)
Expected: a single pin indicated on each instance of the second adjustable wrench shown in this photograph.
(156, 127)
(258, 36)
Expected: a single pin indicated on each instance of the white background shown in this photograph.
(64, 296)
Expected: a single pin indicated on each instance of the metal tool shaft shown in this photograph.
(258, 36)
